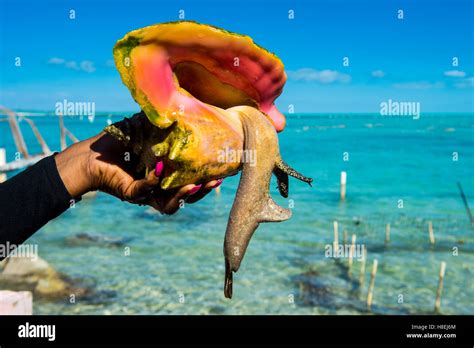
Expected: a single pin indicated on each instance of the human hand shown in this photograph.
(99, 163)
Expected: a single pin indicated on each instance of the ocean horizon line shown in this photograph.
(107, 113)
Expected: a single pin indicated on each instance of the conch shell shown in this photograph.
(183, 75)
(207, 99)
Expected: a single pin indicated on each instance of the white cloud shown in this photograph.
(322, 76)
(465, 83)
(72, 65)
(56, 61)
(86, 65)
(418, 85)
(454, 73)
(378, 73)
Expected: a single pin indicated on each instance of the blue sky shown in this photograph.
(407, 59)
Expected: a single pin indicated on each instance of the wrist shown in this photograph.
(74, 167)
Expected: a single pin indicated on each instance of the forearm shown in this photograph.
(44, 191)
(29, 200)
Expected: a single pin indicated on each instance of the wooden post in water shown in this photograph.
(351, 254)
(3, 160)
(44, 146)
(336, 238)
(70, 135)
(431, 233)
(344, 237)
(62, 133)
(466, 204)
(387, 233)
(442, 271)
(343, 185)
(362, 267)
(16, 132)
(370, 295)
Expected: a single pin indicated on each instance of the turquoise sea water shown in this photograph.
(176, 265)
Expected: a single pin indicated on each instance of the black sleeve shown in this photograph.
(29, 200)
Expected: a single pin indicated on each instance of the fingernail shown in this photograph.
(159, 168)
(195, 189)
(218, 183)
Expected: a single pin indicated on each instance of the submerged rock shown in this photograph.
(37, 276)
(86, 239)
(313, 291)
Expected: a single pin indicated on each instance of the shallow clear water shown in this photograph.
(181, 255)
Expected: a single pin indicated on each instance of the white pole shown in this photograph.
(336, 239)
(362, 267)
(370, 296)
(3, 160)
(351, 253)
(430, 231)
(442, 271)
(387, 233)
(343, 185)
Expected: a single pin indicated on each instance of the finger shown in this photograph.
(204, 191)
(155, 204)
(213, 184)
(138, 190)
(175, 201)
(199, 195)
